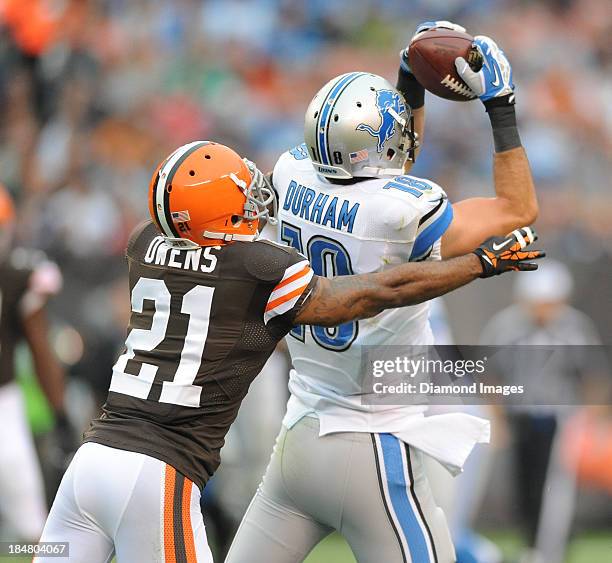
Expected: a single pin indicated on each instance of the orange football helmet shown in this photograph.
(204, 194)
(7, 209)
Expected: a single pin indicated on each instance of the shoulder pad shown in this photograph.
(300, 152)
(268, 260)
(297, 156)
(36, 272)
(144, 229)
(418, 187)
(27, 258)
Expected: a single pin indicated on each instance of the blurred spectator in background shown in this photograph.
(542, 317)
(27, 280)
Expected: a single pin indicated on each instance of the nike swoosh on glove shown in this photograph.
(505, 254)
(494, 79)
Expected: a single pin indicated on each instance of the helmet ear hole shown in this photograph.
(390, 154)
(236, 219)
(336, 117)
(192, 172)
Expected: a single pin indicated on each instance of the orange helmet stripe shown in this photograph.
(161, 196)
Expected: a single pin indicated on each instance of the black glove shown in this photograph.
(504, 254)
(61, 443)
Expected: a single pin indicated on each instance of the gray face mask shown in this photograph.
(260, 196)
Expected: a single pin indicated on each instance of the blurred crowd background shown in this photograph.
(93, 93)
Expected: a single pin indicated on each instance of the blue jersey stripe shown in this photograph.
(398, 491)
(326, 114)
(433, 232)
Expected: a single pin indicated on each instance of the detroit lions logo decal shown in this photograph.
(385, 100)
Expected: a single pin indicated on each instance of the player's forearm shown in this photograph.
(414, 94)
(512, 177)
(514, 186)
(419, 127)
(49, 372)
(514, 205)
(419, 123)
(348, 298)
(51, 379)
(410, 284)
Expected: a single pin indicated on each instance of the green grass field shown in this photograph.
(585, 548)
(594, 547)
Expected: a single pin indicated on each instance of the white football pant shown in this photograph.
(22, 496)
(119, 503)
(369, 487)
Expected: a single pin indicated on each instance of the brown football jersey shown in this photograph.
(24, 273)
(14, 283)
(203, 324)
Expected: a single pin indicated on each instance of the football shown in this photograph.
(432, 59)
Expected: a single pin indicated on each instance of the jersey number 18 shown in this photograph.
(328, 258)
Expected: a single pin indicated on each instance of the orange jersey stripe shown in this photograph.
(190, 550)
(295, 293)
(294, 277)
(170, 481)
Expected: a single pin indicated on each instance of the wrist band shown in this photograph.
(503, 123)
(409, 86)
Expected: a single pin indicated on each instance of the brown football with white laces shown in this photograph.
(432, 60)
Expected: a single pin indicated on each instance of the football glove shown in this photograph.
(494, 79)
(504, 254)
(61, 443)
(421, 28)
(444, 24)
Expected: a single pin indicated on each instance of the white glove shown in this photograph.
(444, 24)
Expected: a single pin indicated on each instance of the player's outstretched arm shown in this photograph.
(515, 201)
(50, 374)
(347, 298)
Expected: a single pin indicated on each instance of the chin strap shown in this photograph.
(373, 172)
(228, 237)
(186, 244)
(181, 243)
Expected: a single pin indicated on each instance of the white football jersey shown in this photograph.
(356, 228)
